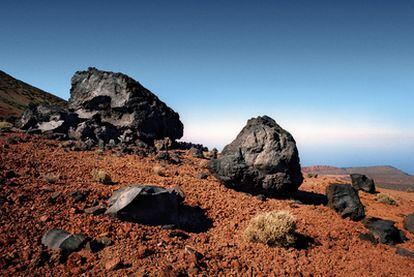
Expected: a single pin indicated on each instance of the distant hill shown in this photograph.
(384, 176)
(15, 95)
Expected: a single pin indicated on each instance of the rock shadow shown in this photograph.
(304, 242)
(310, 198)
(189, 219)
(193, 219)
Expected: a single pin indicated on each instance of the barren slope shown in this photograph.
(26, 214)
(15, 95)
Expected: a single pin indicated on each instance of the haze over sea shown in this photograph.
(339, 75)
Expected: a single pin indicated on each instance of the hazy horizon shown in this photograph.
(337, 75)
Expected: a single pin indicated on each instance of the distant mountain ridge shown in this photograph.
(16, 95)
(384, 176)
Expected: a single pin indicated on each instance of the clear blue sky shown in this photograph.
(339, 75)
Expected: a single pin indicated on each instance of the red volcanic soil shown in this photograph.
(26, 214)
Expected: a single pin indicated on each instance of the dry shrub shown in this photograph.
(159, 170)
(385, 199)
(51, 178)
(5, 126)
(101, 176)
(276, 228)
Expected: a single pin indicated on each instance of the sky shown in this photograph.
(338, 75)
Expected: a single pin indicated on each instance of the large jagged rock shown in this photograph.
(363, 182)
(48, 118)
(124, 103)
(262, 159)
(151, 205)
(345, 201)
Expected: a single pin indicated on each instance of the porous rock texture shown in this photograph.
(106, 107)
(123, 102)
(262, 159)
(363, 182)
(345, 201)
(151, 205)
(384, 230)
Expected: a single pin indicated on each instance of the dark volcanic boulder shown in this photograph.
(48, 118)
(362, 182)
(384, 230)
(124, 103)
(63, 240)
(345, 201)
(262, 159)
(409, 223)
(151, 205)
(95, 130)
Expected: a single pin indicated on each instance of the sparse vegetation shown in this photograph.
(102, 177)
(385, 199)
(5, 126)
(159, 170)
(99, 152)
(51, 178)
(312, 175)
(276, 228)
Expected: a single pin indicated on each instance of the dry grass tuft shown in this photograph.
(5, 126)
(385, 199)
(159, 170)
(276, 228)
(102, 177)
(51, 178)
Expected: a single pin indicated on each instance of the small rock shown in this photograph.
(202, 175)
(78, 196)
(178, 234)
(10, 174)
(362, 182)
(384, 230)
(63, 240)
(113, 264)
(104, 240)
(96, 210)
(409, 223)
(368, 237)
(196, 152)
(345, 201)
(404, 252)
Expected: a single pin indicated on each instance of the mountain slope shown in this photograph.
(15, 95)
(385, 176)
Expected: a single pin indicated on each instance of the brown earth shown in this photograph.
(385, 176)
(26, 214)
(15, 95)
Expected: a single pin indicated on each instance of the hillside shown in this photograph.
(385, 176)
(15, 95)
(220, 248)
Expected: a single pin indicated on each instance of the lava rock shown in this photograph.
(196, 152)
(63, 240)
(96, 210)
(345, 201)
(404, 252)
(363, 182)
(384, 230)
(123, 102)
(263, 159)
(150, 205)
(202, 175)
(48, 119)
(409, 223)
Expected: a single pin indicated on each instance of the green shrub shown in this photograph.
(276, 228)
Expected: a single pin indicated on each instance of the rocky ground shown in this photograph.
(40, 196)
